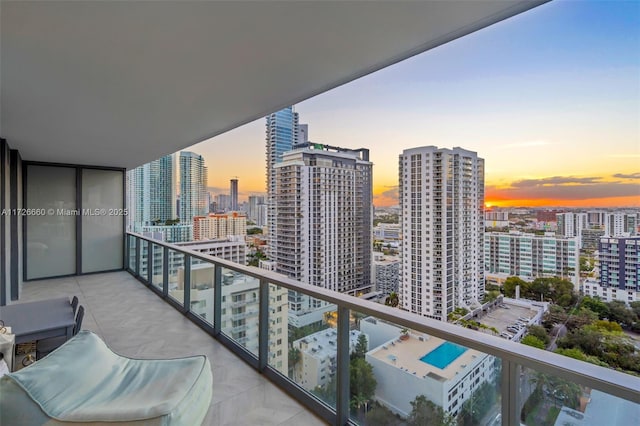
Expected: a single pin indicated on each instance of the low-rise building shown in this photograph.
(387, 231)
(232, 248)
(530, 256)
(219, 226)
(386, 273)
(240, 316)
(318, 351)
(445, 373)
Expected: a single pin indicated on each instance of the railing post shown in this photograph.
(149, 262)
(342, 358)
(510, 393)
(263, 326)
(187, 284)
(137, 270)
(127, 251)
(165, 272)
(217, 299)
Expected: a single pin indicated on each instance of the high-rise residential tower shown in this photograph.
(323, 218)
(233, 193)
(151, 193)
(442, 206)
(281, 135)
(193, 186)
(254, 210)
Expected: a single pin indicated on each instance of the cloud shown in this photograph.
(386, 198)
(563, 188)
(627, 176)
(555, 180)
(526, 144)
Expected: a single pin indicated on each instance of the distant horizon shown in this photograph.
(549, 98)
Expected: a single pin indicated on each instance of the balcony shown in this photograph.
(136, 323)
(143, 325)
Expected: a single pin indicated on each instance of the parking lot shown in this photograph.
(503, 317)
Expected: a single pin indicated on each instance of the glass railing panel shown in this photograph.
(132, 252)
(144, 263)
(158, 261)
(240, 309)
(303, 341)
(176, 277)
(202, 289)
(546, 399)
(175, 269)
(401, 376)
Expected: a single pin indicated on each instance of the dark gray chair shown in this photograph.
(74, 305)
(45, 346)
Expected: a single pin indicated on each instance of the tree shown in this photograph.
(619, 313)
(392, 300)
(294, 358)
(478, 405)
(510, 286)
(254, 231)
(531, 340)
(539, 332)
(426, 413)
(380, 415)
(361, 347)
(362, 383)
(362, 380)
(596, 305)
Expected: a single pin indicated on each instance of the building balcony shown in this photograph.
(147, 322)
(134, 322)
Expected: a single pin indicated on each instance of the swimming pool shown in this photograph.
(443, 355)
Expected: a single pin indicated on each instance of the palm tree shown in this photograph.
(392, 300)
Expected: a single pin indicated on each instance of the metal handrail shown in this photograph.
(613, 382)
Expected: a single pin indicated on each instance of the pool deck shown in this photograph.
(406, 354)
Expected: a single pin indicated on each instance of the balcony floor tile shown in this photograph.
(135, 322)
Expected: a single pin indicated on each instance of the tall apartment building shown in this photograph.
(223, 202)
(233, 194)
(596, 218)
(572, 225)
(619, 260)
(323, 218)
(530, 256)
(193, 186)
(442, 217)
(151, 200)
(591, 238)
(219, 225)
(253, 211)
(282, 129)
(151, 193)
(162, 189)
(620, 224)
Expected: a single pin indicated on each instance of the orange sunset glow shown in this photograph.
(551, 104)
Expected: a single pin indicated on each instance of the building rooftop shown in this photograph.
(501, 318)
(406, 354)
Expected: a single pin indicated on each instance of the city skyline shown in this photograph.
(549, 99)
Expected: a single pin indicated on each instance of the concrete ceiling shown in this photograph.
(122, 83)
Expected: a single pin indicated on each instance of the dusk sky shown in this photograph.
(550, 99)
